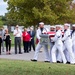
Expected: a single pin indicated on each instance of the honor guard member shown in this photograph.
(73, 38)
(39, 46)
(58, 45)
(58, 55)
(68, 43)
(52, 31)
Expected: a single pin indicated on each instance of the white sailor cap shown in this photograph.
(66, 24)
(58, 26)
(41, 23)
(52, 26)
(73, 25)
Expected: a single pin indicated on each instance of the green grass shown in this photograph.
(12, 39)
(16, 67)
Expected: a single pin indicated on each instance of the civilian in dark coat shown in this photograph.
(0, 39)
(32, 42)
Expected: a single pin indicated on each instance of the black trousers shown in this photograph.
(0, 44)
(8, 45)
(32, 44)
(17, 44)
(26, 45)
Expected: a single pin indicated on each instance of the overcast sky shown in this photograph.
(3, 7)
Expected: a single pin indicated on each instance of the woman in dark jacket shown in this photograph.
(7, 42)
(0, 39)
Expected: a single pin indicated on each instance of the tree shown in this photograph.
(1, 21)
(30, 12)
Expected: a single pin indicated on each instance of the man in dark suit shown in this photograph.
(32, 34)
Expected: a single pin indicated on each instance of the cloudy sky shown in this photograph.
(3, 7)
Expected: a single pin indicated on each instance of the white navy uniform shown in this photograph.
(58, 46)
(39, 46)
(51, 42)
(73, 41)
(51, 46)
(68, 45)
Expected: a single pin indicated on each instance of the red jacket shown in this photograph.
(26, 36)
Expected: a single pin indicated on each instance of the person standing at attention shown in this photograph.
(18, 35)
(26, 40)
(3, 32)
(32, 43)
(0, 39)
(7, 42)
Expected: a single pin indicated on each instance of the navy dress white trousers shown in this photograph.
(51, 46)
(68, 43)
(73, 39)
(58, 46)
(38, 47)
(40, 31)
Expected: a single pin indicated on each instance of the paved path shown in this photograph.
(24, 56)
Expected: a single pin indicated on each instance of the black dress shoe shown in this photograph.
(33, 60)
(58, 62)
(9, 53)
(27, 52)
(47, 61)
(20, 53)
(67, 62)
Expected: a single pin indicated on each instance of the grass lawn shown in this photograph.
(16, 67)
(12, 39)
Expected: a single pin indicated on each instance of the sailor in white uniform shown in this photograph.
(39, 46)
(58, 45)
(73, 38)
(68, 43)
(52, 29)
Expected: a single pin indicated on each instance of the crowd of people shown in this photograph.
(27, 36)
(62, 45)
(61, 41)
